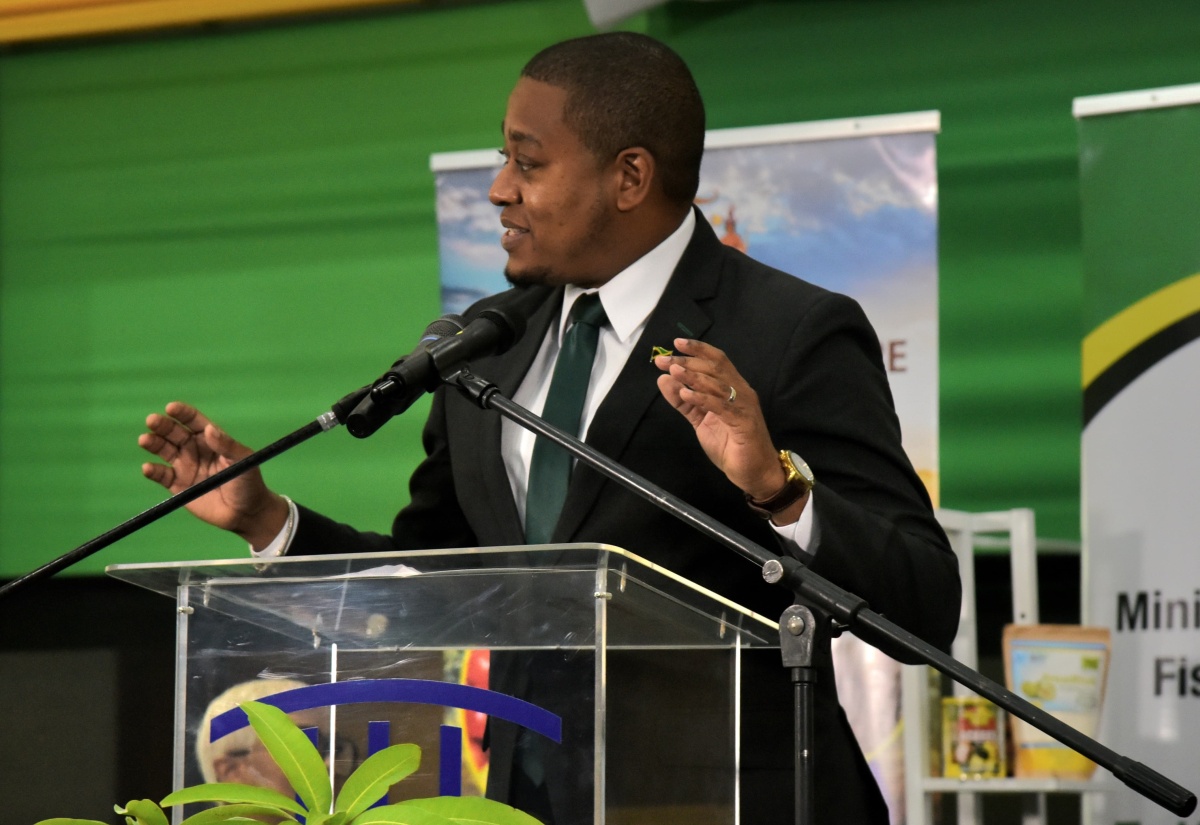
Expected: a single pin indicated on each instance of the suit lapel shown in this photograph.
(681, 312)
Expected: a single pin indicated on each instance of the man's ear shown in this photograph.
(635, 172)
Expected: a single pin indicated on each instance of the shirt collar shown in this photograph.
(633, 293)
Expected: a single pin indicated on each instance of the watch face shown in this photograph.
(801, 467)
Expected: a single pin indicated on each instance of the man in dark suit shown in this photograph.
(602, 143)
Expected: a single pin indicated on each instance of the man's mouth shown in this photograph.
(512, 235)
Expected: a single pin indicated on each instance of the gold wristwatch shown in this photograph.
(799, 481)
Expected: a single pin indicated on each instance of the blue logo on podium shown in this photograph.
(419, 691)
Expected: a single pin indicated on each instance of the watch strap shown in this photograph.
(795, 487)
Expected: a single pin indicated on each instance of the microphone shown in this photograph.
(372, 406)
(446, 325)
(493, 332)
(440, 352)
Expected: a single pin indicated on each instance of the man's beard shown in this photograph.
(538, 276)
(541, 276)
(599, 223)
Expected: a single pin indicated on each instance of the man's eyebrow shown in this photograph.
(516, 136)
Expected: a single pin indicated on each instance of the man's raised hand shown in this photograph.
(193, 449)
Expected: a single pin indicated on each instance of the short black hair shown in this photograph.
(626, 89)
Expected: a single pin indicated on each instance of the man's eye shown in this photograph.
(522, 163)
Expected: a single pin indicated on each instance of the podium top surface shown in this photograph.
(523, 596)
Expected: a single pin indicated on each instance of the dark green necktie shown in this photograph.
(550, 468)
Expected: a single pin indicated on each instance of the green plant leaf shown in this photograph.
(374, 776)
(142, 812)
(336, 818)
(231, 792)
(237, 813)
(59, 820)
(399, 815)
(473, 810)
(293, 753)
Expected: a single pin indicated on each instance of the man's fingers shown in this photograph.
(168, 439)
(168, 429)
(224, 444)
(703, 368)
(186, 428)
(188, 416)
(696, 348)
(711, 392)
(671, 389)
(160, 424)
(157, 445)
(160, 473)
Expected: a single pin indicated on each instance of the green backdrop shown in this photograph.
(244, 218)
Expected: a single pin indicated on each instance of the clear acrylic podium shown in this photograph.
(642, 666)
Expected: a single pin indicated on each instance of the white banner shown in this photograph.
(1140, 451)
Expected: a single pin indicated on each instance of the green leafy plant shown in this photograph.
(305, 769)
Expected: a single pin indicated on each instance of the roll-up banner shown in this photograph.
(850, 205)
(1140, 190)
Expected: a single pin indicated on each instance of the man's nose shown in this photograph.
(503, 190)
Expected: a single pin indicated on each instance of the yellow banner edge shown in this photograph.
(1107, 343)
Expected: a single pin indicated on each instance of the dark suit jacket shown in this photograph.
(814, 361)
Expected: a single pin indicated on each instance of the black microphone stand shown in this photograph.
(323, 423)
(797, 624)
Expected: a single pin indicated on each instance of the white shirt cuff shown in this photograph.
(280, 544)
(801, 534)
